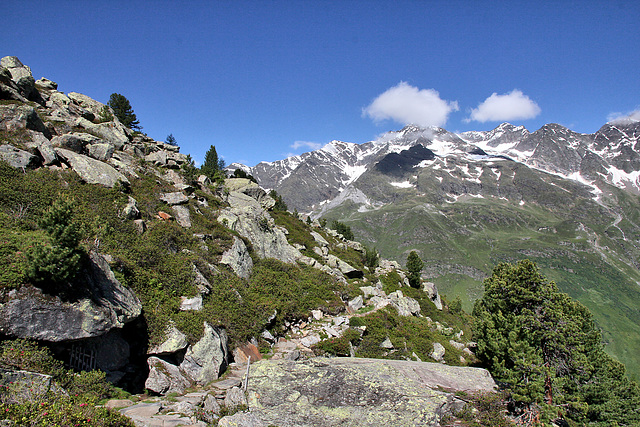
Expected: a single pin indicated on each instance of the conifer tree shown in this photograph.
(213, 166)
(54, 265)
(122, 109)
(547, 348)
(414, 267)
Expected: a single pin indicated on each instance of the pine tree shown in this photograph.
(414, 267)
(53, 266)
(122, 109)
(213, 166)
(547, 348)
(171, 140)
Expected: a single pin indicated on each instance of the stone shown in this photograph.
(112, 132)
(346, 269)
(241, 419)
(18, 159)
(174, 342)
(118, 403)
(438, 352)
(406, 306)
(46, 84)
(15, 117)
(30, 314)
(386, 344)
(165, 377)
(140, 226)
(101, 151)
(131, 211)
(208, 358)
(183, 216)
(191, 304)
(203, 285)
(238, 258)
(91, 170)
(356, 304)
(247, 217)
(317, 314)
(175, 198)
(431, 290)
(319, 239)
(89, 104)
(242, 353)
(15, 67)
(43, 147)
(358, 392)
(235, 397)
(310, 340)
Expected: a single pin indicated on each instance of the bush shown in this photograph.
(54, 266)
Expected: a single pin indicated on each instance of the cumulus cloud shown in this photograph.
(407, 104)
(311, 145)
(499, 108)
(624, 118)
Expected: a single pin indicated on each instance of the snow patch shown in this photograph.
(404, 184)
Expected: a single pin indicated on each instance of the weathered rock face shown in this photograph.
(247, 216)
(91, 170)
(238, 258)
(18, 158)
(358, 392)
(207, 359)
(30, 314)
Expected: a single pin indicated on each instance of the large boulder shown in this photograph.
(165, 377)
(91, 170)
(358, 392)
(19, 159)
(247, 216)
(102, 305)
(208, 358)
(406, 306)
(344, 267)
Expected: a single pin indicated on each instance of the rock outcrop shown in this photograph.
(358, 392)
(29, 313)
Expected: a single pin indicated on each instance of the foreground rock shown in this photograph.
(30, 314)
(358, 392)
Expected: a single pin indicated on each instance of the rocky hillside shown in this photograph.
(468, 201)
(172, 281)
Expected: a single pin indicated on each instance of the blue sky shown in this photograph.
(261, 80)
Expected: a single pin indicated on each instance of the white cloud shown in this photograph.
(620, 118)
(499, 108)
(311, 145)
(407, 104)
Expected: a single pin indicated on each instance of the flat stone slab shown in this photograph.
(358, 392)
(227, 383)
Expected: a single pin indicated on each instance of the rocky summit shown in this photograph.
(201, 297)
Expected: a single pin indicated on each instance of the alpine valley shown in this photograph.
(466, 202)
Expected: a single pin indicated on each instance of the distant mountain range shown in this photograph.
(467, 201)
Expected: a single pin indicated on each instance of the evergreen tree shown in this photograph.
(414, 267)
(171, 140)
(122, 109)
(546, 347)
(213, 166)
(343, 229)
(54, 265)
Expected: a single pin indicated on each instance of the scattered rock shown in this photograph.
(438, 352)
(175, 198)
(187, 304)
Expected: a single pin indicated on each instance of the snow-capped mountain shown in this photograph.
(611, 155)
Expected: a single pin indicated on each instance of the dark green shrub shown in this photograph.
(54, 266)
